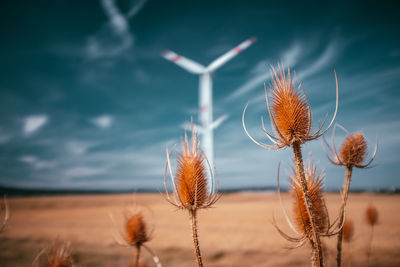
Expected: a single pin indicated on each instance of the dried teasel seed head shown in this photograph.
(315, 191)
(58, 255)
(353, 150)
(191, 176)
(289, 108)
(348, 230)
(141, 264)
(371, 215)
(136, 230)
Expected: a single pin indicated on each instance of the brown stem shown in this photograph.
(316, 242)
(193, 216)
(344, 200)
(370, 244)
(136, 262)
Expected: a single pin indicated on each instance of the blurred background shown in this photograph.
(87, 102)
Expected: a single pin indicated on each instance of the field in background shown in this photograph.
(237, 232)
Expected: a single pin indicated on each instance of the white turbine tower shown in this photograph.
(207, 125)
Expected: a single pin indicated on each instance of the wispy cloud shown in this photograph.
(115, 36)
(34, 123)
(36, 163)
(78, 147)
(103, 122)
(84, 171)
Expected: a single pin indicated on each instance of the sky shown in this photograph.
(87, 101)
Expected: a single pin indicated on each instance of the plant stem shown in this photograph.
(317, 257)
(193, 216)
(370, 244)
(136, 262)
(344, 200)
(155, 257)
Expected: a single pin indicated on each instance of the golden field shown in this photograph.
(237, 232)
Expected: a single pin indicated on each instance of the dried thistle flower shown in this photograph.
(57, 255)
(352, 153)
(371, 215)
(291, 119)
(190, 186)
(348, 230)
(135, 234)
(315, 190)
(290, 113)
(136, 230)
(302, 226)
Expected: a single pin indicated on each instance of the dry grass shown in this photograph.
(245, 238)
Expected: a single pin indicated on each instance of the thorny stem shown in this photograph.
(370, 245)
(345, 194)
(317, 257)
(136, 262)
(193, 216)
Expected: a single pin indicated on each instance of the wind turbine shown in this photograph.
(207, 125)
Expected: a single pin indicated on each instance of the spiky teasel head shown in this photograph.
(353, 151)
(371, 215)
(56, 255)
(290, 112)
(315, 191)
(136, 230)
(191, 182)
(348, 230)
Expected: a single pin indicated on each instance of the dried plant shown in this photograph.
(302, 221)
(56, 255)
(348, 230)
(291, 119)
(190, 185)
(136, 234)
(352, 153)
(371, 216)
(6, 214)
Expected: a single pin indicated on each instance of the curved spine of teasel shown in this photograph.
(302, 226)
(190, 186)
(56, 255)
(291, 119)
(352, 153)
(6, 214)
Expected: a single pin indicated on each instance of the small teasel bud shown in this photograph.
(371, 215)
(353, 150)
(348, 230)
(136, 230)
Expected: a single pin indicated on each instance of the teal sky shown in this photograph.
(86, 100)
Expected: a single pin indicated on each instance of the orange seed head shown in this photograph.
(289, 108)
(353, 150)
(371, 215)
(136, 230)
(58, 255)
(191, 175)
(348, 230)
(315, 191)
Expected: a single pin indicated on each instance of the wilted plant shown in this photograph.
(6, 214)
(352, 153)
(291, 118)
(190, 185)
(302, 220)
(136, 234)
(348, 230)
(371, 216)
(56, 255)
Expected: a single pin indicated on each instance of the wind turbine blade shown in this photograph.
(230, 54)
(218, 121)
(185, 63)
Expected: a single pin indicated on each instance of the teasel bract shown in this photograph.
(56, 255)
(136, 234)
(302, 221)
(352, 153)
(6, 214)
(291, 118)
(191, 185)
